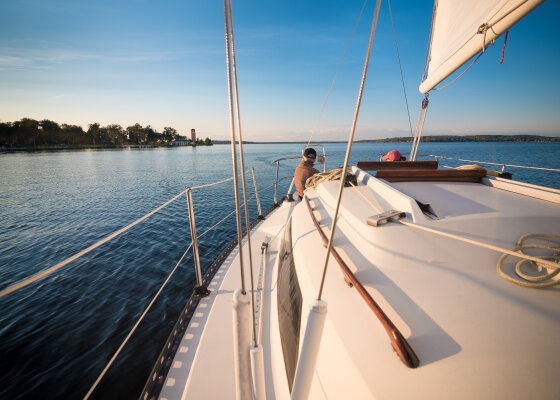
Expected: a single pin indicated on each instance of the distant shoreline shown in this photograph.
(428, 139)
(38, 149)
(425, 139)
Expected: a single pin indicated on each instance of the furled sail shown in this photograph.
(462, 28)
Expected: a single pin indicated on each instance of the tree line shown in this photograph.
(30, 133)
(469, 138)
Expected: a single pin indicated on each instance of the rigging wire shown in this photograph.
(233, 141)
(243, 178)
(400, 67)
(336, 75)
(349, 147)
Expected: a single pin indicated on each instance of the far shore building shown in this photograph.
(193, 135)
(179, 142)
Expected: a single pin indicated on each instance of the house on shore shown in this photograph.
(180, 142)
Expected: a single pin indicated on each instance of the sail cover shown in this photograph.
(462, 28)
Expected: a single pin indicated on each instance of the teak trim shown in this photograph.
(399, 343)
(439, 175)
(392, 165)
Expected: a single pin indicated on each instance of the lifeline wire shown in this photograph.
(88, 394)
(42, 274)
(349, 148)
(48, 271)
(491, 163)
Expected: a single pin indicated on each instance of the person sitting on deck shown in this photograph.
(393, 155)
(305, 170)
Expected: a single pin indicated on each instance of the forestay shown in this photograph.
(461, 29)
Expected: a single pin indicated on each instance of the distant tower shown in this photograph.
(193, 135)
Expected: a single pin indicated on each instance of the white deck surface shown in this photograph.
(476, 334)
(203, 365)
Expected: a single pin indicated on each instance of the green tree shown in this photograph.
(49, 133)
(94, 133)
(169, 134)
(115, 134)
(136, 134)
(26, 131)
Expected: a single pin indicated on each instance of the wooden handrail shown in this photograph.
(439, 175)
(383, 165)
(399, 343)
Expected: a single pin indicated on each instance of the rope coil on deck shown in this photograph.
(332, 175)
(549, 263)
(538, 275)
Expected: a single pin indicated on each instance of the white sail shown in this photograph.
(462, 28)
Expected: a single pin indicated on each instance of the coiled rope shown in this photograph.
(550, 263)
(538, 278)
(332, 175)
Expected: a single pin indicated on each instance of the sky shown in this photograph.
(163, 64)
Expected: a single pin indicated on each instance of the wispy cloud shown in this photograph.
(39, 58)
(61, 96)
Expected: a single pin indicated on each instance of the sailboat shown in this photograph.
(407, 281)
(386, 280)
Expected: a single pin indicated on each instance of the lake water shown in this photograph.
(57, 334)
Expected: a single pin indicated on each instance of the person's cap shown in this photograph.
(393, 155)
(310, 154)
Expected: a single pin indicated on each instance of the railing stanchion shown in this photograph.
(199, 289)
(257, 193)
(276, 184)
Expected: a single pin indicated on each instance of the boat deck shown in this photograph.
(203, 365)
(476, 334)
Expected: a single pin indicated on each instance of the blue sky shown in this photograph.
(163, 64)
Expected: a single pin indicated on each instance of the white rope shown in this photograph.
(419, 128)
(491, 163)
(546, 262)
(481, 244)
(332, 175)
(534, 281)
(100, 377)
